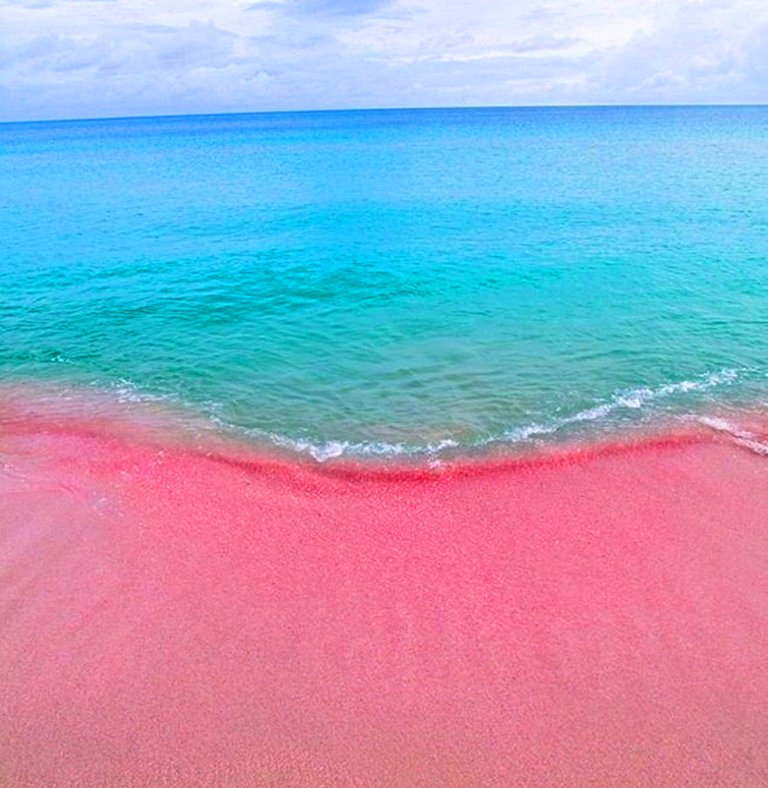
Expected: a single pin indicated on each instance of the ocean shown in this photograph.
(395, 283)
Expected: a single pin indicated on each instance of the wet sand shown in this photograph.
(172, 617)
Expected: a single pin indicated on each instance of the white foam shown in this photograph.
(592, 414)
(717, 424)
(636, 398)
(519, 434)
(331, 449)
(627, 401)
(631, 399)
(739, 436)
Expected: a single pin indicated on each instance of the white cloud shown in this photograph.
(63, 58)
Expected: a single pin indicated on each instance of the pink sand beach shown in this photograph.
(172, 616)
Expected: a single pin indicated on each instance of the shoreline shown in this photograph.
(162, 418)
(152, 426)
(178, 618)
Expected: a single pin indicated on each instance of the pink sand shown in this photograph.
(172, 618)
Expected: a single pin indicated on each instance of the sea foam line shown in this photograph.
(630, 399)
(739, 436)
(627, 400)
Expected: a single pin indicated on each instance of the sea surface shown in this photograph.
(392, 283)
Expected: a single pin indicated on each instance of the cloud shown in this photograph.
(70, 57)
(697, 52)
(337, 8)
(133, 49)
(48, 3)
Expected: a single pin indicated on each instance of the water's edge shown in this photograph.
(127, 412)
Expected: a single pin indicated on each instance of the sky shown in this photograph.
(100, 58)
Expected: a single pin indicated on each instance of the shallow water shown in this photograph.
(393, 282)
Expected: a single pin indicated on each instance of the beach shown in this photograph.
(405, 447)
(176, 614)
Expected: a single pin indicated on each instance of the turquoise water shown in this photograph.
(393, 281)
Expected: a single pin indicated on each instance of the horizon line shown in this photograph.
(240, 113)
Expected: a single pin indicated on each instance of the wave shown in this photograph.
(627, 400)
(749, 440)
(624, 407)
